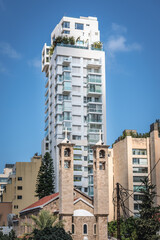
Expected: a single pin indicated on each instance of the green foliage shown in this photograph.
(11, 236)
(148, 224)
(132, 134)
(45, 180)
(50, 233)
(71, 40)
(127, 228)
(97, 45)
(45, 219)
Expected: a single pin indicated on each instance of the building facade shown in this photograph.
(20, 189)
(4, 178)
(75, 94)
(135, 156)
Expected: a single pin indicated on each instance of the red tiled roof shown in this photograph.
(41, 202)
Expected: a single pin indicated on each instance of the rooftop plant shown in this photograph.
(132, 134)
(97, 45)
(60, 39)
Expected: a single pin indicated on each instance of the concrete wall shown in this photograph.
(5, 209)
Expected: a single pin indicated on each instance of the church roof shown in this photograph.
(41, 203)
(46, 200)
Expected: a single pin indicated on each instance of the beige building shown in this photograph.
(4, 178)
(20, 189)
(155, 156)
(134, 156)
(83, 217)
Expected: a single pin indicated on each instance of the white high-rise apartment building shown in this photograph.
(75, 95)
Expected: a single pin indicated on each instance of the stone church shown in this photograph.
(84, 218)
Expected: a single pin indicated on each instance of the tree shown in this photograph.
(11, 236)
(45, 180)
(45, 219)
(51, 233)
(148, 224)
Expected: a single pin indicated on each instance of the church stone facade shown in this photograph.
(84, 218)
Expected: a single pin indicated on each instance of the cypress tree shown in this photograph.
(45, 184)
(148, 224)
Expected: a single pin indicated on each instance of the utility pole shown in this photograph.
(118, 213)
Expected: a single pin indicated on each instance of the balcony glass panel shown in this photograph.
(94, 108)
(67, 86)
(94, 88)
(94, 118)
(138, 178)
(67, 116)
(67, 106)
(140, 170)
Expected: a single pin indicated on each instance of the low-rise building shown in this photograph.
(21, 186)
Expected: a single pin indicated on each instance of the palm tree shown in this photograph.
(45, 219)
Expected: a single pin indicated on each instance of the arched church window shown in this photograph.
(67, 152)
(101, 154)
(94, 229)
(73, 228)
(85, 229)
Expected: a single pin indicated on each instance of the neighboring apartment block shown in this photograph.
(20, 189)
(75, 95)
(134, 156)
(4, 178)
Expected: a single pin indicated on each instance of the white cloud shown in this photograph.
(118, 28)
(117, 41)
(119, 44)
(35, 63)
(7, 49)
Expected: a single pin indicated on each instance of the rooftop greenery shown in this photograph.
(133, 134)
(71, 41)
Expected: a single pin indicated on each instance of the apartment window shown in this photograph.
(140, 161)
(77, 178)
(77, 157)
(85, 148)
(19, 188)
(19, 197)
(76, 137)
(15, 206)
(137, 206)
(139, 151)
(137, 188)
(140, 170)
(85, 158)
(138, 178)
(85, 229)
(86, 169)
(77, 147)
(138, 197)
(66, 32)
(66, 24)
(77, 168)
(79, 26)
(19, 178)
(90, 179)
(85, 189)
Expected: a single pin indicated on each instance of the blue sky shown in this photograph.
(130, 32)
